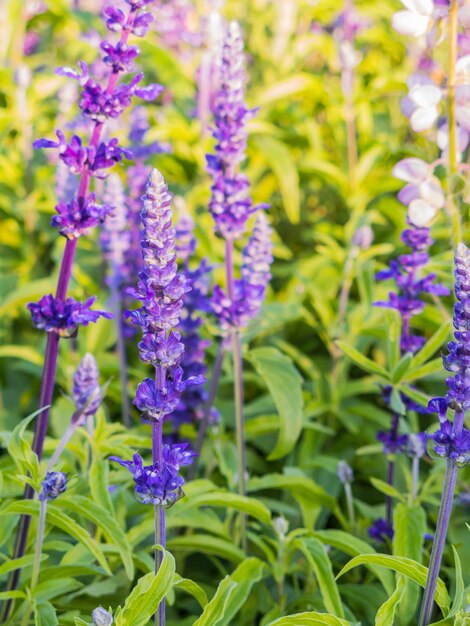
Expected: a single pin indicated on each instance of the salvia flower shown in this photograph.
(158, 483)
(230, 204)
(392, 444)
(160, 289)
(63, 316)
(452, 439)
(101, 617)
(411, 287)
(53, 485)
(381, 530)
(86, 387)
(79, 216)
(250, 290)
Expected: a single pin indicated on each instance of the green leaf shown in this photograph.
(228, 500)
(409, 523)
(429, 368)
(150, 590)
(459, 597)
(45, 614)
(99, 483)
(349, 544)
(386, 613)
(21, 563)
(20, 450)
(207, 544)
(58, 518)
(232, 594)
(402, 565)
(318, 560)
(192, 588)
(401, 367)
(387, 489)
(309, 619)
(432, 345)
(22, 352)
(296, 485)
(106, 521)
(284, 166)
(362, 361)
(285, 385)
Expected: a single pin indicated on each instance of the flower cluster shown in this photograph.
(230, 204)
(408, 300)
(86, 388)
(79, 216)
(159, 484)
(250, 290)
(381, 530)
(452, 439)
(160, 289)
(115, 237)
(53, 485)
(63, 316)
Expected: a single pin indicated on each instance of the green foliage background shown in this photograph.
(310, 400)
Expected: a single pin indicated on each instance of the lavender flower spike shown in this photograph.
(160, 289)
(452, 439)
(86, 387)
(230, 204)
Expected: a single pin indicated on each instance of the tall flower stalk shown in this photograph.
(451, 440)
(231, 207)
(160, 290)
(58, 315)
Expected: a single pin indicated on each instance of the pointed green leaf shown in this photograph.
(361, 360)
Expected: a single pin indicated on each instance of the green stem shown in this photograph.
(37, 557)
(240, 427)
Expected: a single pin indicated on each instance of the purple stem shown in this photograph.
(445, 510)
(52, 351)
(204, 423)
(159, 511)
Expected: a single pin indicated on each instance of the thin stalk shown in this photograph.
(350, 504)
(414, 477)
(60, 448)
(37, 556)
(159, 511)
(391, 469)
(452, 208)
(204, 423)
(121, 348)
(445, 510)
(439, 543)
(52, 350)
(238, 392)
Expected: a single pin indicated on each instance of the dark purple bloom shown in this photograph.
(79, 216)
(86, 387)
(120, 57)
(159, 483)
(381, 530)
(53, 485)
(63, 317)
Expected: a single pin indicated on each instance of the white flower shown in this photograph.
(420, 105)
(462, 138)
(423, 195)
(415, 20)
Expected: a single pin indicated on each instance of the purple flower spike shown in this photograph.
(250, 290)
(230, 204)
(159, 483)
(63, 317)
(115, 237)
(86, 387)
